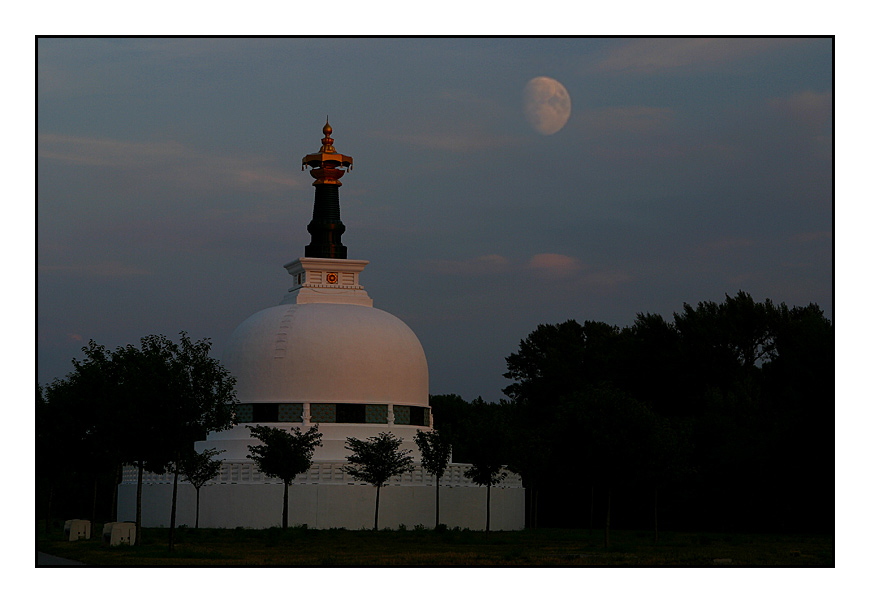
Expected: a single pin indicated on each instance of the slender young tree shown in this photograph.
(376, 460)
(487, 451)
(284, 454)
(200, 401)
(198, 468)
(486, 474)
(435, 456)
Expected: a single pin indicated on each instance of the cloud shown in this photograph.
(625, 120)
(810, 237)
(112, 269)
(809, 108)
(455, 120)
(468, 126)
(457, 141)
(646, 56)
(169, 162)
(726, 244)
(567, 269)
(551, 267)
(107, 152)
(554, 265)
(486, 264)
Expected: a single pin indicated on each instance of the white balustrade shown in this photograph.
(320, 473)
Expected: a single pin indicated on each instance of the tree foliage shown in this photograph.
(139, 405)
(198, 468)
(284, 454)
(376, 460)
(435, 456)
(434, 451)
(488, 449)
(726, 399)
(485, 473)
(451, 411)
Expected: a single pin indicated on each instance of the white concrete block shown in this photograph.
(77, 529)
(119, 532)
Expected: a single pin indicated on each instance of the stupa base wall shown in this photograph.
(323, 506)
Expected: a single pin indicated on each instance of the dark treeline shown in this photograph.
(142, 406)
(722, 419)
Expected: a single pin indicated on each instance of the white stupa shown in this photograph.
(325, 356)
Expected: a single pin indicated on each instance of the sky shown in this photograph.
(170, 192)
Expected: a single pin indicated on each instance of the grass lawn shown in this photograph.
(300, 547)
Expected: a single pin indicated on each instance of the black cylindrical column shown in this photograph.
(326, 227)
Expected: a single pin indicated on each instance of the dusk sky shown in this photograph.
(170, 190)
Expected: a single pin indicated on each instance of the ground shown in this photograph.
(299, 547)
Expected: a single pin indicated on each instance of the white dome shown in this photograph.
(327, 352)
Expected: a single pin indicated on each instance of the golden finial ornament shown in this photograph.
(326, 163)
(326, 140)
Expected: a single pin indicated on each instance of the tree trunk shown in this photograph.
(196, 525)
(535, 492)
(174, 505)
(437, 503)
(607, 522)
(377, 504)
(530, 497)
(139, 505)
(487, 509)
(94, 502)
(656, 513)
(286, 504)
(118, 476)
(48, 509)
(591, 507)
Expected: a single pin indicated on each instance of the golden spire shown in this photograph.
(325, 163)
(326, 227)
(326, 140)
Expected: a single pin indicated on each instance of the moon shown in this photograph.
(546, 104)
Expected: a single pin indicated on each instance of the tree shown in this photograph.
(200, 401)
(530, 454)
(654, 370)
(435, 456)
(91, 416)
(449, 411)
(50, 443)
(284, 454)
(178, 394)
(486, 429)
(554, 359)
(376, 460)
(798, 389)
(552, 363)
(736, 396)
(81, 430)
(615, 431)
(669, 459)
(198, 468)
(142, 405)
(486, 474)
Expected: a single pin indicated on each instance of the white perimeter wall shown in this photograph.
(320, 506)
